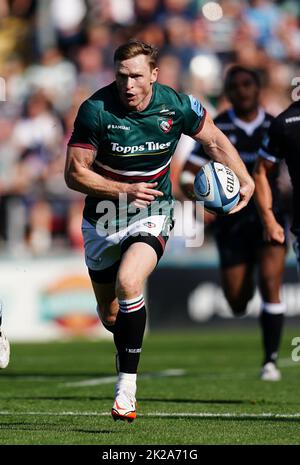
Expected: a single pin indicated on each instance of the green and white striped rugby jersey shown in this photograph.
(135, 146)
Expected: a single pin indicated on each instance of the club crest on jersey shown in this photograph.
(149, 224)
(165, 124)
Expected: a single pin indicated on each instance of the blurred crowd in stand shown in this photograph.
(54, 54)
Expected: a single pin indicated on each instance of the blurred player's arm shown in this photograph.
(80, 177)
(219, 148)
(264, 200)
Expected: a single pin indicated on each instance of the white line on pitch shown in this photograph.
(113, 379)
(166, 414)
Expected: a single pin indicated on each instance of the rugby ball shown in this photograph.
(218, 187)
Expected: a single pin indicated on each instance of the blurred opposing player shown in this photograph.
(123, 140)
(239, 237)
(4, 344)
(281, 143)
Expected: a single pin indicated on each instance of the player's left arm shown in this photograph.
(220, 149)
(264, 200)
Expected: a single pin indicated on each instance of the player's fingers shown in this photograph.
(245, 196)
(148, 188)
(139, 204)
(246, 192)
(145, 196)
(280, 237)
(238, 207)
(150, 184)
(154, 192)
(277, 239)
(247, 189)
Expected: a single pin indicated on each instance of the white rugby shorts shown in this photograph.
(102, 251)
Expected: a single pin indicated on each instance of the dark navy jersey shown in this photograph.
(247, 139)
(283, 142)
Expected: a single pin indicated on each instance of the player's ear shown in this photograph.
(154, 75)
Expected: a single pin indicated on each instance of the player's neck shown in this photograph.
(248, 116)
(145, 102)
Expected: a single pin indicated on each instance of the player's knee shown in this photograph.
(238, 302)
(107, 313)
(109, 320)
(127, 285)
(239, 308)
(237, 305)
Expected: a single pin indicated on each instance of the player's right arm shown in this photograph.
(219, 148)
(264, 200)
(270, 154)
(79, 176)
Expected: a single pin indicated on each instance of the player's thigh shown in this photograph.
(237, 254)
(271, 268)
(102, 257)
(238, 282)
(237, 240)
(141, 248)
(137, 264)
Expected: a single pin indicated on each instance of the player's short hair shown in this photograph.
(135, 47)
(236, 69)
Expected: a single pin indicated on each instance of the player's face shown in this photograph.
(243, 93)
(134, 79)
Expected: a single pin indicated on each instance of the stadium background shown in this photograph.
(53, 55)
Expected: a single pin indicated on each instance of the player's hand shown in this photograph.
(141, 194)
(274, 233)
(247, 187)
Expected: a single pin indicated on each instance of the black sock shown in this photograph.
(129, 333)
(271, 325)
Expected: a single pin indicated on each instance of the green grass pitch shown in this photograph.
(195, 387)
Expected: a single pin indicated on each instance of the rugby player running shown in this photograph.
(239, 238)
(123, 140)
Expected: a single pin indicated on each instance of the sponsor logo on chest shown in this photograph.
(167, 112)
(165, 124)
(146, 147)
(120, 127)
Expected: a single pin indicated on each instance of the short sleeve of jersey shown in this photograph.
(272, 145)
(86, 127)
(193, 114)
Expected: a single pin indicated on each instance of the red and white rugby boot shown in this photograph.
(124, 407)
